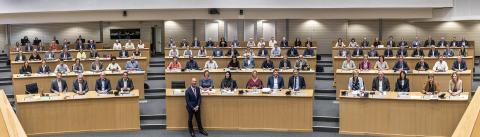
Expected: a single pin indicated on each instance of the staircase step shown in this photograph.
(325, 126)
(4, 69)
(10, 96)
(157, 65)
(325, 64)
(326, 118)
(153, 116)
(155, 90)
(8, 78)
(3, 55)
(3, 83)
(153, 124)
(324, 77)
(325, 91)
(325, 96)
(156, 77)
(155, 73)
(325, 73)
(325, 61)
(155, 95)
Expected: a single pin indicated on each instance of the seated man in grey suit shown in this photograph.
(102, 85)
(380, 83)
(96, 66)
(125, 84)
(59, 84)
(248, 62)
(80, 86)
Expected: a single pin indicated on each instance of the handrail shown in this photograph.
(9, 118)
(470, 121)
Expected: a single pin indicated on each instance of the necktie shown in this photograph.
(194, 92)
(80, 87)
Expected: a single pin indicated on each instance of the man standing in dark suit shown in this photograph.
(380, 83)
(80, 86)
(296, 82)
(193, 99)
(125, 84)
(59, 84)
(102, 85)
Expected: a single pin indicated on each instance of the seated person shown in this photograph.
(268, 64)
(187, 52)
(20, 56)
(440, 65)
(272, 42)
(96, 66)
(301, 63)
(402, 52)
(261, 43)
(175, 64)
(248, 51)
(429, 42)
(80, 85)
(29, 47)
(77, 67)
(463, 43)
(416, 42)
(455, 85)
(117, 45)
(92, 45)
(365, 64)
(125, 84)
(275, 81)
(462, 52)
(422, 65)
(454, 42)
(401, 65)
(402, 84)
(232, 52)
(44, 68)
(202, 52)
(65, 55)
(309, 51)
(276, 51)
(206, 82)
(250, 42)
(284, 42)
(372, 52)
(234, 63)
(403, 43)
(129, 45)
(62, 67)
(292, 52)
(113, 66)
(309, 42)
(358, 52)
(191, 64)
(137, 52)
(102, 85)
(262, 52)
(248, 62)
(81, 54)
(284, 63)
(339, 43)
(448, 52)
(235, 43)
(35, 56)
(377, 42)
(433, 52)
(209, 43)
(355, 82)
(94, 53)
(132, 64)
(343, 52)
(348, 64)
(217, 52)
(381, 64)
(17, 48)
(380, 83)
(442, 42)
(296, 82)
(49, 55)
(25, 69)
(353, 43)
(211, 64)
(417, 52)
(79, 45)
(365, 42)
(254, 82)
(459, 64)
(123, 53)
(184, 43)
(173, 52)
(228, 82)
(431, 86)
(171, 43)
(59, 85)
(390, 42)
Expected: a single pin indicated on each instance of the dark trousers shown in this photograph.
(198, 118)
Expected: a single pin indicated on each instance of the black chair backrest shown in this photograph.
(178, 84)
(31, 88)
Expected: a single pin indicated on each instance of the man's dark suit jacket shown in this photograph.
(301, 82)
(120, 84)
(191, 100)
(98, 85)
(386, 84)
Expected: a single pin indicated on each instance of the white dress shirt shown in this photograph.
(271, 43)
(117, 46)
(114, 66)
(440, 66)
(211, 65)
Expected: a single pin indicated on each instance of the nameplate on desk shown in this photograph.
(125, 94)
(461, 97)
(377, 96)
(415, 97)
(79, 97)
(104, 95)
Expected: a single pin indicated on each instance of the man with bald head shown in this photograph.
(102, 85)
(380, 83)
(193, 99)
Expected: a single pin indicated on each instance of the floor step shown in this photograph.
(155, 90)
(155, 73)
(324, 77)
(153, 116)
(326, 118)
(325, 96)
(157, 65)
(3, 83)
(4, 69)
(153, 124)
(325, 61)
(325, 126)
(8, 78)
(325, 91)
(325, 73)
(325, 64)
(155, 95)
(156, 77)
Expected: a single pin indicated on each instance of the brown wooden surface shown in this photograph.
(9, 124)
(69, 113)
(73, 45)
(44, 81)
(101, 52)
(469, 125)
(242, 50)
(416, 78)
(470, 50)
(223, 61)
(264, 112)
(241, 76)
(390, 116)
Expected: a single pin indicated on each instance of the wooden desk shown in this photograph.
(417, 79)
(411, 61)
(73, 45)
(241, 76)
(470, 50)
(69, 113)
(242, 50)
(392, 116)
(9, 124)
(242, 43)
(264, 112)
(223, 61)
(101, 52)
(44, 81)
(16, 65)
(469, 125)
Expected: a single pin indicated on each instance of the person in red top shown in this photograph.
(174, 64)
(254, 82)
(53, 46)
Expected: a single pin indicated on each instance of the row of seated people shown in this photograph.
(381, 83)
(78, 67)
(275, 81)
(415, 43)
(65, 54)
(247, 63)
(235, 43)
(80, 86)
(218, 52)
(402, 51)
(402, 65)
(79, 44)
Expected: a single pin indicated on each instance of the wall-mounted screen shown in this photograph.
(124, 33)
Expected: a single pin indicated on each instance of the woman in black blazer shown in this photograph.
(26, 69)
(402, 84)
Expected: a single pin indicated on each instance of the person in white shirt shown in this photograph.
(113, 66)
(202, 52)
(140, 44)
(261, 42)
(211, 64)
(250, 43)
(187, 52)
(440, 65)
(173, 52)
(353, 43)
(272, 42)
(117, 45)
(276, 51)
(129, 45)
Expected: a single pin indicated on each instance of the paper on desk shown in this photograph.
(416, 97)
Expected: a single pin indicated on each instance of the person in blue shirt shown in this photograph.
(132, 64)
(206, 82)
(248, 62)
(191, 64)
(217, 52)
